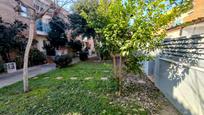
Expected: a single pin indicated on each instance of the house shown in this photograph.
(178, 67)
(190, 23)
(87, 42)
(8, 14)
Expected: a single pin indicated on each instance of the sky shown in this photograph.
(67, 6)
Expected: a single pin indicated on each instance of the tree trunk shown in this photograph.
(114, 65)
(26, 55)
(117, 70)
(120, 75)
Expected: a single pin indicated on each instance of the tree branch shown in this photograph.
(43, 13)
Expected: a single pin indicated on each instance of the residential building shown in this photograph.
(8, 14)
(189, 23)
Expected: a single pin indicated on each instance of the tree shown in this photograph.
(11, 38)
(35, 15)
(79, 26)
(133, 28)
(57, 35)
(88, 9)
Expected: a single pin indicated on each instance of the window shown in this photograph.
(39, 25)
(24, 11)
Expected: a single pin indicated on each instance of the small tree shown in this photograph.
(133, 28)
(35, 15)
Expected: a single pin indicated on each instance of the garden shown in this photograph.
(84, 88)
(125, 34)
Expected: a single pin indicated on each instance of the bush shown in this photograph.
(19, 61)
(77, 45)
(63, 61)
(1, 65)
(103, 52)
(2, 68)
(50, 50)
(83, 55)
(36, 57)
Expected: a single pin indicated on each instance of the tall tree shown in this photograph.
(88, 9)
(79, 26)
(57, 35)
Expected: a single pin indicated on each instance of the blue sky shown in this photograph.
(67, 6)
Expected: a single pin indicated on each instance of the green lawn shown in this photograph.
(85, 88)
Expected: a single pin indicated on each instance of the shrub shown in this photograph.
(77, 45)
(83, 55)
(2, 68)
(103, 52)
(50, 50)
(19, 61)
(1, 65)
(36, 57)
(63, 60)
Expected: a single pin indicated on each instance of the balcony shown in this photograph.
(42, 28)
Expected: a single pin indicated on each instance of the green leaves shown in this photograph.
(57, 36)
(88, 94)
(11, 38)
(133, 25)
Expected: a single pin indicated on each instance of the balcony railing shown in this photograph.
(42, 28)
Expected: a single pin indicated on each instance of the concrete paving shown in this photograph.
(11, 78)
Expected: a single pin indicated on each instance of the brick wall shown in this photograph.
(7, 11)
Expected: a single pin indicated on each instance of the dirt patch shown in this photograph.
(143, 91)
(168, 110)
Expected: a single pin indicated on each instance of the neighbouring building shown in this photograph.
(8, 14)
(87, 42)
(189, 23)
(178, 69)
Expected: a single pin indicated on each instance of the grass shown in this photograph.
(85, 88)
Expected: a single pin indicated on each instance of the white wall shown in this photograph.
(182, 85)
(187, 31)
(193, 29)
(40, 44)
(180, 78)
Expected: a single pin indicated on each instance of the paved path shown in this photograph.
(11, 78)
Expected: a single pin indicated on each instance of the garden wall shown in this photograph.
(178, 71)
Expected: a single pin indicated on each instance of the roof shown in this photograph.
(192, 22)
